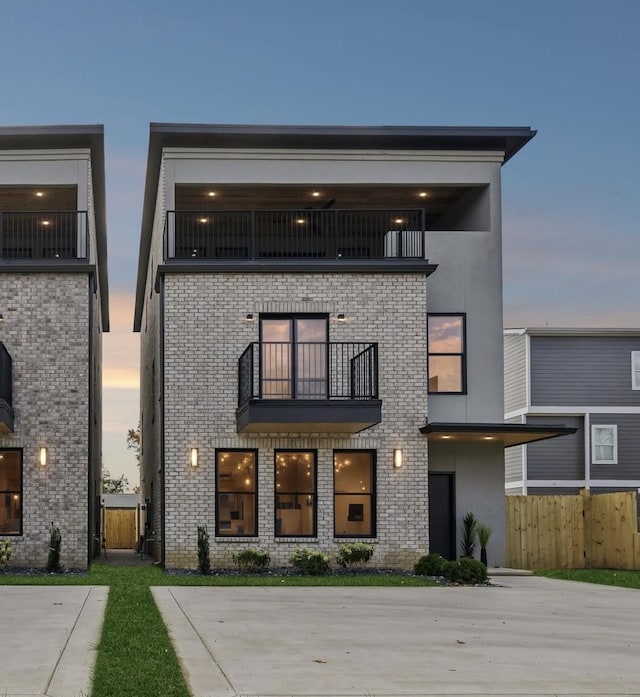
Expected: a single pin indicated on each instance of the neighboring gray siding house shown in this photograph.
(53, 310)
(588, 379)
(320, 311)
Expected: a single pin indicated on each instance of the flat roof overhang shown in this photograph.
(308, 415)
(506, 434)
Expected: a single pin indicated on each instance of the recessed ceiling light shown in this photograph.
(399, 220)
(211, 193)
(39, 194)
(488, 437)
(316, 194)
(46, 222)
(423, 194)
(446, 436)
(203, 220)
(301, 221)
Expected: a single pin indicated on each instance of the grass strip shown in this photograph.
(606, 577)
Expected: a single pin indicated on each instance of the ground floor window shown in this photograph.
(295, 493)
(10, 492)
(236, 492)
(604, 444)
(354, 493)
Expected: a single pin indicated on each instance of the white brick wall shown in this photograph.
(205, 334)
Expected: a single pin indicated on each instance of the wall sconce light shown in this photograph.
(250, 317)
(42, 457)
(341, 318)
(194, 457)
(398, 458)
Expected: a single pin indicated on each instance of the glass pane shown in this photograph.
(604, 452)
(276, 329)
(445, 334)
(604, 436)
(236, 514)
(311, 330)
(295, 473)
(353, 515)
(445, 373)
(294, 514)
(236, 471)
(295, 493)
(352, 472)
(10, 471)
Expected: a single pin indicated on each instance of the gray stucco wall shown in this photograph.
(583, 370)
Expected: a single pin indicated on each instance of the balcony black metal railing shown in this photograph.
(309, 370)
(6, 376)
(295, 234)
(43, 235)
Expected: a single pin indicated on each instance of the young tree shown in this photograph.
(133, 441)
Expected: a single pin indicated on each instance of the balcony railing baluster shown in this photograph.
(37, 235)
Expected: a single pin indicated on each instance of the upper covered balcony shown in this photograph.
(41, 225)
(337, 226)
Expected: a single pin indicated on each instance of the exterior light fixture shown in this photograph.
(46, 222)
(398, 458)
(39, 194)
(250, 317)
(1, 318)
(399, 220)
(42, 457)
(194, 457)
(315, 194)
(203, 220)
(423, 194)
(211, 194)
(341, 317)
(300, 221)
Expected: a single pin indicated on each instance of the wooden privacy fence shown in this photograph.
(587, 531)
(120, 528)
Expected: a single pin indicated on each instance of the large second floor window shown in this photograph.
(446, 342)
(10, 492)
(293, 359)
(236, 492)
(295, 497)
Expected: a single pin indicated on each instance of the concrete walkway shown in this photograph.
(529, 636)
(48, 639)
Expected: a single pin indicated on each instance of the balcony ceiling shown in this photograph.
(25, 198)
(197, 197)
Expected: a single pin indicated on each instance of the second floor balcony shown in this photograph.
(308, 386)
(43, 236)
(276, 235)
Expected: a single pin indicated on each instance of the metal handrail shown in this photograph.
(50, 235)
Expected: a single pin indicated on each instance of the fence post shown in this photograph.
(588, 523)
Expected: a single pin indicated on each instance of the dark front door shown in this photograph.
(442, 514)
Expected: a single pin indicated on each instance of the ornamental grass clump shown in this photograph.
(354, 554)
(310, 562)
(204, 564)
(252, 560)
(469, 535)
(6, 550)
(55, 543)
(484, 533)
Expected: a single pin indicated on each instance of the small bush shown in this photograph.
(429, 565)
(252, 559)
(204, 565)
(466, 571)
(310, 562)
(356, 553)
(55, 542)
(6, 550)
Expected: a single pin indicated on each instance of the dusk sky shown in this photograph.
(567, 68)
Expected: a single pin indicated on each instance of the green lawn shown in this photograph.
(608, 577)
(135, 655)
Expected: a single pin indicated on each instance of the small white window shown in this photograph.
(635, 370)
(604, 444)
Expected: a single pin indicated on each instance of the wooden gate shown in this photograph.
(120, 528)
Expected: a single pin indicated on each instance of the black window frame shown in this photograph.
(463, 355)
(11, 492)
(292, 317)
(314, 453)
(372, 495)
(226, 535)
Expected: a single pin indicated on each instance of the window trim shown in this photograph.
(254, 451)
(314, 454)
(373, 495)
(614, 430)
(463, 355)
(21, 493)
(635, 370)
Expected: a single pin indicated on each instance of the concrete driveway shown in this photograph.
(48, 637)
(530, 636)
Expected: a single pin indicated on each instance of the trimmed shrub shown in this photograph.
(252, 559)
(6, 550)
(355, 553)
(204, 565)
(429, 565)
(466, 571)
(55, 542)
(310, 562)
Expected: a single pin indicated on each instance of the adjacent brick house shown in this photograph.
(53, 309)
(584, 378)
(320, 312)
